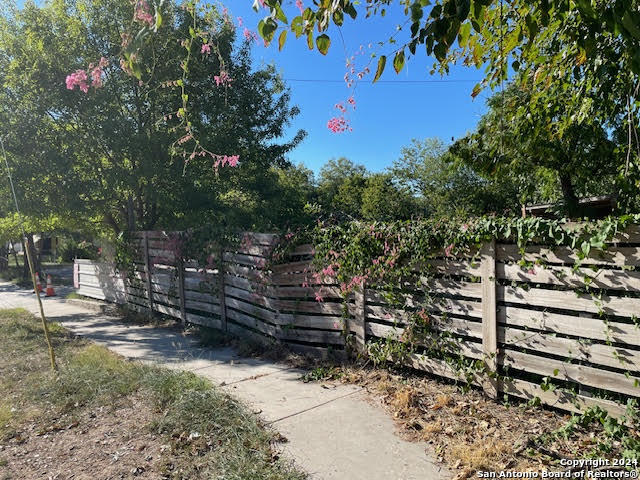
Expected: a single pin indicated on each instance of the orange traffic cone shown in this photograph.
(38, 285)
(49, 292)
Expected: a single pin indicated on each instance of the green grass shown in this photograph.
(230, 442)
(75, 296)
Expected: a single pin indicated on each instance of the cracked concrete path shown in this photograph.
(333, 433)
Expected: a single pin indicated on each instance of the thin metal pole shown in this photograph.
(45, 326)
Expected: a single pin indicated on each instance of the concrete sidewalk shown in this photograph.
(333, 432)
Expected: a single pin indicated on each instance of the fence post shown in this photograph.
(223, 303)
(147, 268)
(359, 326)
(489, 317)
(180, 268)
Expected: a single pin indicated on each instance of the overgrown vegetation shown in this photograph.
(209, 433)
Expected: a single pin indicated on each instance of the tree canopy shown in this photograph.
(107, 156)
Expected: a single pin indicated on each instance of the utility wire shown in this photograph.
(308, 80)
(45, 326)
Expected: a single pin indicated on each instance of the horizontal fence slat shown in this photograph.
(589, 328)
(615, 357)
(558, 398)
(570, 277)
(618, 256)
(561, 370)
(569, 300)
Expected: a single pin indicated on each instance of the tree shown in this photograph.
(384, 200)
(444, 187)
(481, 32)
(340, 186)
(514, 140)
(107, 155)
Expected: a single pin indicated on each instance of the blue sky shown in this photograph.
(413, 104)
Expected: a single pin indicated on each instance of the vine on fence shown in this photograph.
(394, 258)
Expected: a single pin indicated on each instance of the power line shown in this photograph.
(309, 80)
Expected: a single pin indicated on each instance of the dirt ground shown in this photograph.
(112, 443)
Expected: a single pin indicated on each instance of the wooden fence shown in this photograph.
(571, 350)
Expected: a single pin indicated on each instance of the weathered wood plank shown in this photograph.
(309, 321)
(569, 300)
(329, 308)
(204, 321)
(203, 307)
(617, 256)
(597, 353)
(324, 292)
(455, 267)
(250, 309)
(570, 278)
(589, 328)
(247, 260)
(206, 297)
(359, 323)
(489, 319)
(252, 297)
(260, 238)
(291, 267)
(311, 336)
(593, 377)
(558, 398)
(468, 308)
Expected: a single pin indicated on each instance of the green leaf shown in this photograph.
(338, 17)
(267, 28)
(281, 39)
(463, 36)
(398, 61)
(323, 42)
(382, 62)
(630, 24)
(280, 14)
(297, 26)
(476, 90)
(440, 51)
(586, 8)
(350, 10)
(310, 40)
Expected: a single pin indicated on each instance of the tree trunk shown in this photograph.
(569, 194)
(4, 258)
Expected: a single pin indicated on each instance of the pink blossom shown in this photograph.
(206, 48)
(222, 160)
(319, 297)
(262, 4)
(351, 101)
(376, 261)
(79, 78)
(338, 125)
(300, 6)
(531, 271)
(142, 12)
(447, 250)
(223, 79)
(240, 22)
(329, 271)
(336, 325)
(464, 227)
(249, 35)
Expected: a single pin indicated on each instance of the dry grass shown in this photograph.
(203, 432)
(468, 431)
